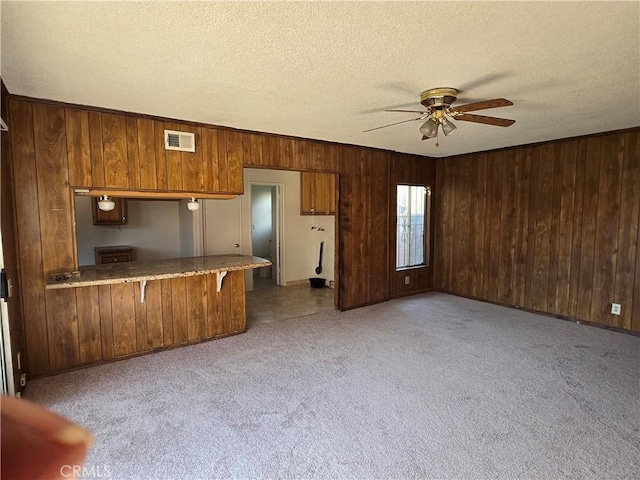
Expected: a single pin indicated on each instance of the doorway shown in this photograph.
(266, 229)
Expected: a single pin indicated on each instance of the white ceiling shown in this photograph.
(327, 70)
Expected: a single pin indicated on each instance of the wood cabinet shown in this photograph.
(317, 193)
(117, 216)
(117, 254)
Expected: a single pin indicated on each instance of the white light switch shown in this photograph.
(615, 308)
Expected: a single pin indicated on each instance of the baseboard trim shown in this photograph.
(293, 283)
(546, 314)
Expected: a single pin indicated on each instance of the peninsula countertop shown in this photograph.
(155, 270)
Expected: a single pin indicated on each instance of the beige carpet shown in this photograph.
(432, 386)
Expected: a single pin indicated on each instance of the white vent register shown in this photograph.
(182, 141)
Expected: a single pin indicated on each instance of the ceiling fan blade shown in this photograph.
(391, 124)
(408, 111)
(470, 107)
(498, 122)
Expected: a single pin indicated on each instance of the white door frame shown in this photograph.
(279, 261)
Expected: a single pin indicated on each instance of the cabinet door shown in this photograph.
(331, 193)
(307, 205)
(321, 199)
(117, 216)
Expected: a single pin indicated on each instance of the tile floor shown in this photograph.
(270, 303)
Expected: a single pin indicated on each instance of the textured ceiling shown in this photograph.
(327, 70)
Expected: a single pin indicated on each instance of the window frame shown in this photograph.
(427, 228)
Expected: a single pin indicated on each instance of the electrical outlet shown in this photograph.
(407, 279)
(615, 308)
(23, 380)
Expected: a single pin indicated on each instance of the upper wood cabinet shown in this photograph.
(117, 216)
(115, 151)
(317, 193)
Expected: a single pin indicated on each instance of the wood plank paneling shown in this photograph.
(133, 153)
(565, 228)
(287, 158)
(223, 167)
(95, 146)
(147, 153)
(162, 181)
(576, 240)
(523, 166)
(629, 229)
(140, 317)
(167, 311)
(53, 188)
(533, 155)
(542, 228)
(89, 335)
(210, 159)
(192, 164)
(477, 222)
(234, 162)
(62, 328)
(29, 240)
(124, 319)
(114, 147)
(78, 150)
(196, 289)
(238, 314)
(607, 225)
(552, 280)
(378, 216)
(589, 219)
(15, 345)
(153, 299)
(179, 310)
(574, 229)
(215, 326)
(461, 222)
(106, 321)
(507, 234)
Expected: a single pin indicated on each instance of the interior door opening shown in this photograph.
(266, 229)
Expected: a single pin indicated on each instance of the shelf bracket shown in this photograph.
(219, 276)
(143, 288)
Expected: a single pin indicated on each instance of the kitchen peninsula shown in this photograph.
(157, 270)
(132, 308)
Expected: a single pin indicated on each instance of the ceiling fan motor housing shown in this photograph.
(438, 97)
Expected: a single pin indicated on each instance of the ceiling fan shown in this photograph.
(439, 112)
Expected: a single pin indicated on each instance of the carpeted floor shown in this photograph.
(432, 386)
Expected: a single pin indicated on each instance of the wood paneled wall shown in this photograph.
(58, 146)
(8, 225)
(92, 324)
(125, 152)
(418, 171)
(552, 227)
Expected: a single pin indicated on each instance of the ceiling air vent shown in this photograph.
(182, 141)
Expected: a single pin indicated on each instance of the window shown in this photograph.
(412, 226)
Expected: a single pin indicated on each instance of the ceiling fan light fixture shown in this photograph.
(429, 128)
(448, 127)
(106, 204)
(193, 204)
